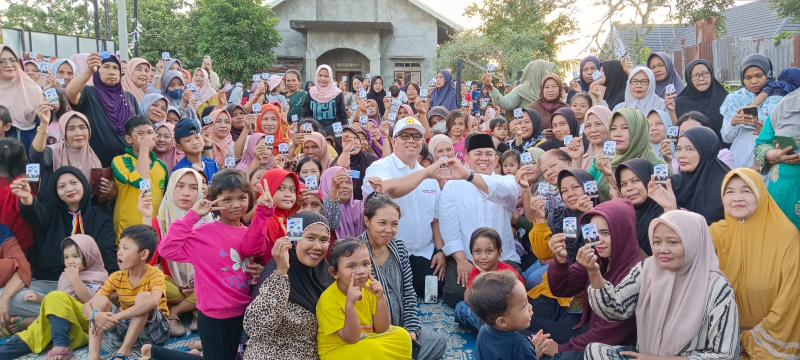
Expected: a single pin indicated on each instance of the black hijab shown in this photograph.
(699, 191)
(360, 162)
(536, 134)
(616, 82)
(377, 96)
(305, 284)
(707, 102)
(235, 132)
(649, 209)
(54, 222)
(574, 129)
(555, 220)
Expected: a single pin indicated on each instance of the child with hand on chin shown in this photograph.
(353, 315)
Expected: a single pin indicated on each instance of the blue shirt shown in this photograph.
(209, 167)
(493, 344)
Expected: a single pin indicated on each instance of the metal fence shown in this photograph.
(727, 54)
(51, 44)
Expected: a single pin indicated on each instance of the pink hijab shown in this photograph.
(350, 223)
(223, 147)
(671, 304)
(604, 114)
(84, 159)
(20, 96)
(319, 139)
(173, 156)
(128, 82)
(95, 272)
(205, 91)
(324, 94)
(249, 154)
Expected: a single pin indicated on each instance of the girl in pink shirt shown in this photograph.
(457, 128)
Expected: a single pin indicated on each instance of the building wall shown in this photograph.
(413, 38)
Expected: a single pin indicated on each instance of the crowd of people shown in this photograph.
(627, 214)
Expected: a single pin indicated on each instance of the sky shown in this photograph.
(588, 14)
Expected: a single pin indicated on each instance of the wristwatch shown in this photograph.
(471, 175)
(208, 147)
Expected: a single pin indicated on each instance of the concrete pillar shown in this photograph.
(311, 68)
(375, 67)
(122, 25)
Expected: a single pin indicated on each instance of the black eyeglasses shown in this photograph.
(644, 82)
(12, 61)
(406, 136)
(704, 74)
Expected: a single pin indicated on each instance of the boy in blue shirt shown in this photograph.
(189, 139)
(499, 299)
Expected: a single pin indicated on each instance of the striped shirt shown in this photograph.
(118, 283)
(718, 337)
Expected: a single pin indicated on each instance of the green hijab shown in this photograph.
(531, 81)
(638, 147)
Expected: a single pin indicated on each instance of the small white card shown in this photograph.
(368, 76)
(469, 83)
(60, 81)
(256, 77)
(490, 68)
(294, 229)
(269, 140)
(104, 55)
(283, 148)
(265, 76)
(596, 75)
(525, 159)
(432, 83)
(590, 188)
(191, 86)
(392, 117)
(672, 133)
(44, 67)
(354, 106)
(33, 55)
(518, 113)
(567, 139)
(362, 93)
(354, 174)
(661, 173)
(590, 234)
(307, 128)
(32, 172)
(363, 120)
(337, 129)
(256, 109)
(207, 120)
(423, 93)
(311, 184)
(230, 162)
(464, 103)
(165, 56)
(294, 118)
(144, 185)
(570, 227)
(576, 75)
(544, 189)
(621, 52)
(344, 78)
(609, 149)
(52, 95)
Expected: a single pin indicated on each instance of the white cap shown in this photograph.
(408, 123)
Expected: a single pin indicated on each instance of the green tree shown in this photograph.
(238, 34)
(787, 8)
(63, 17)
(475, 51)
(691, 11)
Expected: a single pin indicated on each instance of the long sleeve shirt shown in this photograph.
(718, 337)
(463, 208)
(220, 254)
(741, 137)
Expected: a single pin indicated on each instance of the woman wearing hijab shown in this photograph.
(445, 92)
(683, 306)
(106, 105)
(136, 79)
(632, 142)
(349, 143)
(660, 63)
(154, 107)
(660, 122)
(786, 175)
(205, 94)
(547, 222)
(633, 177)
(321, 151)
(527, 91)
(339, 207)
(390, 266)
(165, 148)
(595, 130)
(325, 102)
(740, 129)
(703, 93)
(21, 96)
(701, 173)
(72, 150)
(563, 123)
(614, 255)
(287, 328)
(640, 94)
(377, 93)
(615, 80)
(222, 141)
(63, 69)
(173, 88)
(589, 65)
(549, 101)
(61, 321)
(527, 131)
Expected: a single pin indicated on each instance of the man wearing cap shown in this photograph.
(189, 140)
(472, 199)
(417, 192)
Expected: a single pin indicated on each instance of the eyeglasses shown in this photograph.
(406, 136)
(644, 82)
(704, 74)
(9, 61)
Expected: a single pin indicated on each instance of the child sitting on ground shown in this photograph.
(498, 298)
(353, 315)
(486, 248)
(142, 315)
(60, 319)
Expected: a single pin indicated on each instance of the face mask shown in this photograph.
(175, 94)
(440, 127)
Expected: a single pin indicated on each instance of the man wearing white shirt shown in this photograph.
(417, 192)
(472, 199)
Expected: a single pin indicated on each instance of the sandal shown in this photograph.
(176, 330)
(17, 325)
(193, 326)
(120, 356)
(65, 354)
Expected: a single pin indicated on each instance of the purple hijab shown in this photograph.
(113, 99)
(350, 222)
(378, 150)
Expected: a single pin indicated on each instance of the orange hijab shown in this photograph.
(280, 135)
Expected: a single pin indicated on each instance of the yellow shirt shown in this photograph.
(118, 283)
(126, 212)
(330, 316)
